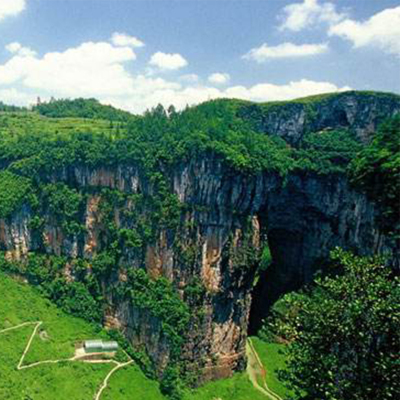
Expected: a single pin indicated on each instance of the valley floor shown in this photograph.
(37, 359)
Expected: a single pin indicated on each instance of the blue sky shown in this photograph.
(136, 53)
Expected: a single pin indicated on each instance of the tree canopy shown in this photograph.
(81, 108)
(376, 170)
(343, 333)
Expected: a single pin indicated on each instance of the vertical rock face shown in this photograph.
(360, 111)
(308, 217)
(226, 218)
(15, 236)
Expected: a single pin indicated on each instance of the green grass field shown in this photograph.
(131, 384)
(238, 387)
(272, 358)
(21, 122)
(56, 339)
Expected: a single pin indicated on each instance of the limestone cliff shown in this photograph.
(225, 220)
(361, 111)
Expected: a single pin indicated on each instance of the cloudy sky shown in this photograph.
(135, 54)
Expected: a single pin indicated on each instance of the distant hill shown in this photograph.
(81, 108)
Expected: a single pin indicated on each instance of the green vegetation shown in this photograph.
(36, 146)
(327, 152)
(14, 190)
(376, 170)
(70, 381)
(27, 124)
(273, 359)
(7, 108)
(238, 387)
(42, 146)
(80, 297)
(65, 204)
(55, 340)
(343, 333)
(81, 108)
(158, 297)
(163, 302)
(131, 383)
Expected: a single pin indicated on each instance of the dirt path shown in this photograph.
(105, 382)
(256, 372)
(20, 326)
(20, 366)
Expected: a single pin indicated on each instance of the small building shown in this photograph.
(98, 346)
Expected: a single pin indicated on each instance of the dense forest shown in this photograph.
(81, 108)
(163, 138)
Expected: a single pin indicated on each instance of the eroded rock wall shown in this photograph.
(229, 217)
(360, 111)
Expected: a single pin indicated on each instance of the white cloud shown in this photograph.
(190, 78)
(382, 30)
(14, 47)
(285, 50)
(17, 48)
(122, 39)
(11, 7)
(298, 16)
(165, 61)
(99, 70)
(89, 69)
(16, 97)
(219, 78)
(292, 90)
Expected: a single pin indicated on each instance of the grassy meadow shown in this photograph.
(55, 340)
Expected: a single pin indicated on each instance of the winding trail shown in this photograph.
(105, 382)
(20, 366)
(255, 370)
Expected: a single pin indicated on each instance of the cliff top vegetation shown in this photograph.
(65, 133)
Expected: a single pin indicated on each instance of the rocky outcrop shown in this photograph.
(15, 235)
(307, 218)
(360, 111)
(226, 219)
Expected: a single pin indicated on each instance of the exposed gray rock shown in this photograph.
(360, 111)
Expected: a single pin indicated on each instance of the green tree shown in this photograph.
(376, 170)
(345, 336)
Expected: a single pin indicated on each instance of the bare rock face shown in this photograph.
(360, 111)
(225, 222)
(307, 218)
(15, 235)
